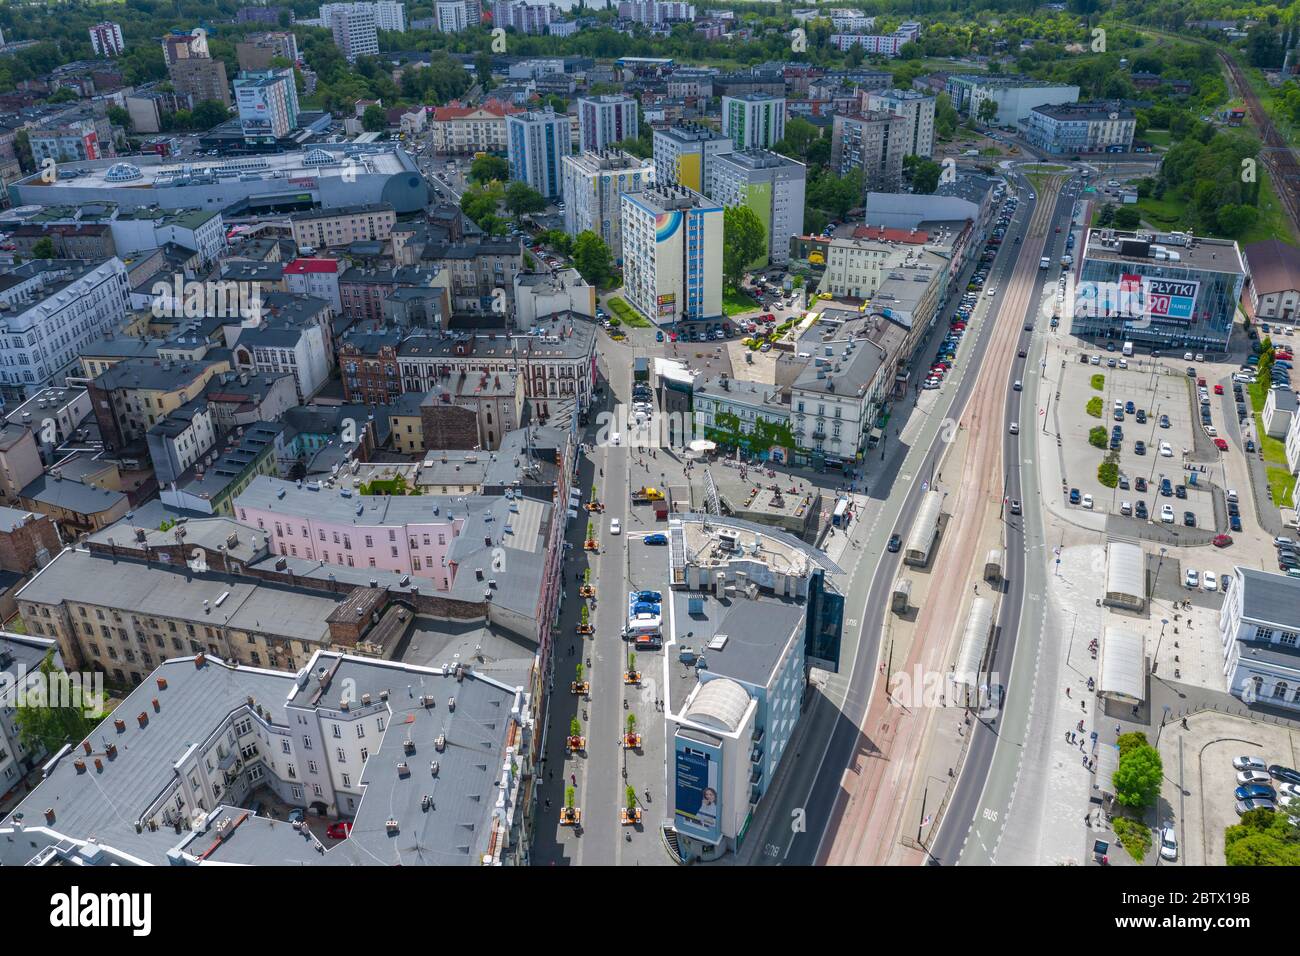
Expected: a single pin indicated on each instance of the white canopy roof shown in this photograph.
(1122, 665)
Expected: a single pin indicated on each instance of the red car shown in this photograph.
(1218, 390)
(1282, 354)
(1222, 540)
(338, 831)
(1221, 444)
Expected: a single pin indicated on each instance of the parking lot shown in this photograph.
(1148, 452)
(1200, 790)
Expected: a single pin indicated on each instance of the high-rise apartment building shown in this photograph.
(754, 120)
(594, 184)
(606, 120)
(537, 142)
(672, 255)
(771, 185)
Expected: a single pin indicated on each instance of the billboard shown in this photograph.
(1170, 298)
(698, 800)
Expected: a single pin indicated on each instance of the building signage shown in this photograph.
(698, 811)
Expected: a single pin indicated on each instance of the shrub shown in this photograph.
(1099, 382)
(1094, 407)
(1108, 474)
(1134, 836)
(1097, 437)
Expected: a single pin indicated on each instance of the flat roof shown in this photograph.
(157, 589)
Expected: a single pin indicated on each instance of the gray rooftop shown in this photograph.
(1270, 598)
(71, 495)
(83, 577)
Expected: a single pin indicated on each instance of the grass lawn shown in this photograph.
(1273, 222)
(735, 302)
(1045, 168)
(1156, 137)
(1167, 213)
(1283, 484)
(1274, 450)
(627, 315)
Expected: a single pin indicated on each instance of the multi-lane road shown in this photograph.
(807, 800)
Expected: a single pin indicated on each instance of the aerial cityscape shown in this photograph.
(649, 433)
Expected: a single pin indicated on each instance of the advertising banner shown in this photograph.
(698, 801)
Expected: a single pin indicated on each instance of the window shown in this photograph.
(342, 755)
(361, 731)
(284, 747)
(306, 743)
(337, 731)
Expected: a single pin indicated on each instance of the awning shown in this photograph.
(1122, 666)
(974, 642)
(1107, 764)
(876, 434)
(702, 444)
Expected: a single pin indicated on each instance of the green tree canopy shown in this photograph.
(522, 198)
(374, 119)
(1137, 779)
(43, 248)
(41, 724)
(592, 258)
(487, 168)
(744, 241)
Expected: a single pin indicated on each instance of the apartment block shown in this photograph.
(683, 154)
(342, 225)
(606, 120)
(538, 141)
(753, 120)
(915, 107)
(874, 142)
(672, 254)
(772, 186)
(594, 183)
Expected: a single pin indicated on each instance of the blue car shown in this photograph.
(659, 336)
(1074, 496)
(645, 609)
(655, 538)
(1235, 523)
(1255, 791)
(654, 597)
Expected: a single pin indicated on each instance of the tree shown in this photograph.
(1262, 838)
(922, 173)
(374, 119)
(1137, 779)
(522, 198)
(744, 241)
(1235, 219)
(592, 258)
(43, 248)
(800, 135)
(209, 113)
(487, 168)
(119, 117)
(1127, 217)
(42, 724)
(987, 111)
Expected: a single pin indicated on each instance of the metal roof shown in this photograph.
(720, 701)
(1122, 665)
(1125, 570)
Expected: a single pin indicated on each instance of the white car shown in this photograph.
(1167, 514)
(1087, 502)
(991, 292)
(1193, 578)
(1250, 763)
(1166, 450)
(1211, 431)
(1168, 844)
(614, 526)
(1015, 428)
(1248, 777)
(1290, 789)
(1210, 581)
(1017, 386)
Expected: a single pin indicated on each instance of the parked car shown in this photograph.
(1285, 774)
(339, 830)
(895, 542)
(1252, 776)
(1255, 791)
(1222, 540)
(1168, 844)
(656, 538)
(1245, 806)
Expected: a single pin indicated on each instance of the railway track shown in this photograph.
(1277, 155)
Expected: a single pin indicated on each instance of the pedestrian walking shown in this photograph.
(1067, 692)
(573, 779)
